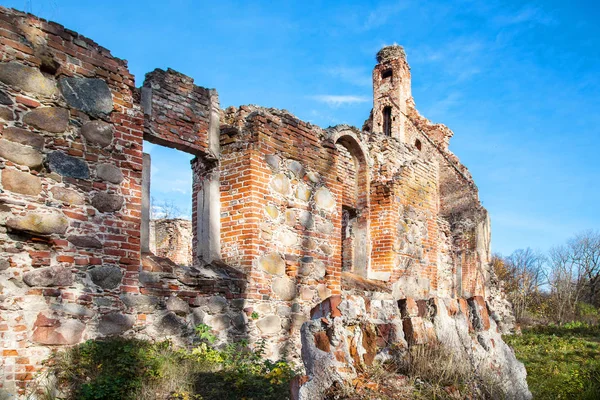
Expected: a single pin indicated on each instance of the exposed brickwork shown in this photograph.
(177, 112)
(280, 208)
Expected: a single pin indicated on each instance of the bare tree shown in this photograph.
(523, 273)
(574, 274)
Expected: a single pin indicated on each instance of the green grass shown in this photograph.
(562, 362)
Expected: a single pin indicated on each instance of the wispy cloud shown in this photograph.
(340, 100)
(461, 59)
(442, 107)
(381, 14)
(358, 76)
(527, 15)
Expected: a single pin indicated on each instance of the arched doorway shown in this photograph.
(353, 175)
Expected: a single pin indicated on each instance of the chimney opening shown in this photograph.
(387, 73)
(418, 144)
(387, 121)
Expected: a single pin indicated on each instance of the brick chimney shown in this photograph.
(391, 92)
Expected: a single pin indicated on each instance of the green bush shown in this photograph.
(111, 369)
(131, 369)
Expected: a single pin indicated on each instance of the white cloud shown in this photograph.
(340, 100)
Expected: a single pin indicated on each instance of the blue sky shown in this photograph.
(517, 82)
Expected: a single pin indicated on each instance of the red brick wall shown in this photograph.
(177, 112)
(59, 53)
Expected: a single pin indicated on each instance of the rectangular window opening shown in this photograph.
(167, 203)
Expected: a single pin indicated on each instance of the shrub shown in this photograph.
(132, 369)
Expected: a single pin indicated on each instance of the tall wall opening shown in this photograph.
(354, 235)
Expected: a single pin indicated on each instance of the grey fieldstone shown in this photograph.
(326, 249)
(272, 160)
(284, 311)
(323, 291)
(324, 199)
(149, 277)
(288, 238)
(139, 302)
(281, 184)
(98, 132)
(43, 224)
(269, 325)
(60, 333)
(325, 227)
(296, 168)
(48, 276)
(28, 79)
(263, 308)
(21, 182)
(115, 324)
(23, 136)
(67, 195)
(198, 316)
(178, 306)
(306, 293)
(240, 321)
(272, 263)
(272, 211)
(284, 288)
(290, 217)
(19, 154)
(106, 277)
(66, 165)
(90, 95)
(219, 322)
(238, 304)
(169, 324)
(307, 220)
(50, 119)
(105, 202)
(217, 304)
(298, 320)
(85, 241)
(314, 177)
(319, 270)
(110, 173)
(303, 192)
(6, 114)
(4, 264)
(5, 99)
(73, 309)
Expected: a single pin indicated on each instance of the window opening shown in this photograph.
(169, 206)
(387, 121)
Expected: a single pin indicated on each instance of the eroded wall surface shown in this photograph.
(286, 216)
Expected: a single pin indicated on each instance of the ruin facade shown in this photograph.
(370, 237)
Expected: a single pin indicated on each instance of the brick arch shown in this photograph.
(353, 172)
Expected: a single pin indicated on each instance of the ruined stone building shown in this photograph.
(331, 244)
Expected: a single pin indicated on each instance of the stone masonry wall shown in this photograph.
(70, 166)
